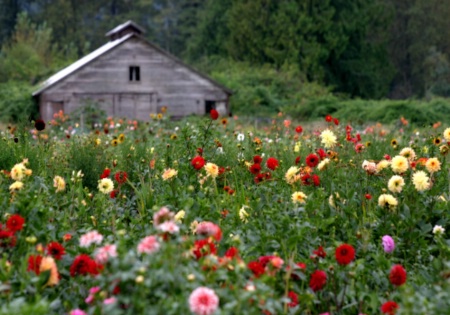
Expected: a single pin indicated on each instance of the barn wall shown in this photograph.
(163, 82)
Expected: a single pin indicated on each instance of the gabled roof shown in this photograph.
(125, 25)
(108, 47)
(79, 64)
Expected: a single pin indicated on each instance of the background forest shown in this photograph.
(276, 55)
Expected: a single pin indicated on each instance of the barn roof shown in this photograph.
(108, 47)
(121, 27)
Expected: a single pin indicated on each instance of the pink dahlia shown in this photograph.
(207, 228)
(203, 301)
(148, 245)
(103, 254)
(90, 238)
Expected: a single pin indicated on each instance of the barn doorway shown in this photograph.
(209, 105)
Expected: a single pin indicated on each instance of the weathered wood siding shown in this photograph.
(105, 81)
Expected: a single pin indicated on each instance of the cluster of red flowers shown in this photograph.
(54, 249)
(329, 118)
(14, 224)
(256, 168)
(83, 265)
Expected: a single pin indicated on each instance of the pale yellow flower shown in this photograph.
(105, 185)
(290, 174)
(299, 197)
(396, 184)
(382, 165)
(323, 164)
(399, 164)
(59, 183)
(180, 216)
(243, 215)
(18, 171)
(447, 134)
(169, 173)
(212, 169)
(48, 263)
(17, 185)
(421, 181)
(387, 200)
(433, 165)
(297, 147)
(408, 153)
(329, 139)
(193, 226)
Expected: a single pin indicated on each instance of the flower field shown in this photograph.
(212, 216)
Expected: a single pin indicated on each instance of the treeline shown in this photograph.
(356, 48)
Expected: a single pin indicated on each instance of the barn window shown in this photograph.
(135, 73)
(209, 105)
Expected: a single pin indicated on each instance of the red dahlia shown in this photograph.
(328, 118)
(214, 114)
(318, 280)
(336, 121)
(121, 177)
(255, 168)
(56, 250)
(232, 252)
(257, 268)
(293, 297)
(15, 223)
(397, 275)
(390, 307)
(297, 160)
(272, 163)
(298, 129)
(257, 159)
(204, 247)
(7, 238)
(105, 173)
(322, 154)
(316, 180)
(83, 265)
(320, 252)
(312, 160)
(198, 162)
(34, 263)
(345, 254)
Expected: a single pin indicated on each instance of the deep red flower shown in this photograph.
(316, 180)
(322, 154)
(257, 268)
(336, 121)
(203, 248)
(320, 252)
(105, 173)
(255, 168)
(397, 275)
(34, 263)
(198, 162)
(265, 260)
(15, 223)
(7, 238)
(272, 163)
(121, 177)
(83, 265)
(345, 254)
(306, 179)
(294, 299)
(113, 193)
(318, 280)
(56, 250)
(328, 118)
(257, 159)
(214, 114)
(368, 196)
(312, 160)
(232, 252)
(221, 170)
(390, 308)
(39, 124)
(259, 178)
(387, 157)
(200, 151)
(298, 129)
(297, 160)
(299, 265)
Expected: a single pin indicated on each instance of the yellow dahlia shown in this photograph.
(290, 174)
(399, 164)
(59, 183)
(299, 197)
(387, 200)
(212, 169)
(447, 134)
(433, 165)
(396, 184)
(408, 153)
(169, 173)
(105, 185)
(421, 181)
(329, 139)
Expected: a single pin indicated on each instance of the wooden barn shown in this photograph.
(133, 78)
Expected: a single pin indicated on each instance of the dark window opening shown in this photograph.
(135, 73)
(209, 105)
